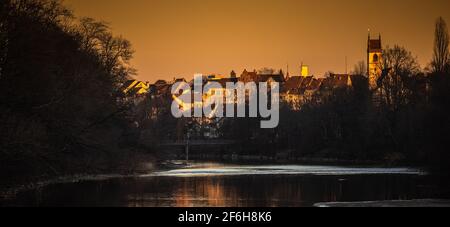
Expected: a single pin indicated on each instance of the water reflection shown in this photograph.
(251, 190)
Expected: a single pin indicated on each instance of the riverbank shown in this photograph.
(395, 203)
(12, 191)
(263, 159)
(126, 164)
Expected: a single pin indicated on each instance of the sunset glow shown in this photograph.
(178, 38)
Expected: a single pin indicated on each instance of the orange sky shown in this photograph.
(177, 38)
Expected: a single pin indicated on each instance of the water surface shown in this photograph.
(226, 185)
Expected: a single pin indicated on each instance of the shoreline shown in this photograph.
(143, 164)
(388, 203)
(263, 159)
(10, 192)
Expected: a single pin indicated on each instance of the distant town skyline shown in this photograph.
(178, 38)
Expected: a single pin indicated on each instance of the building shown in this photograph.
(304, 70)
(233, 74)
(264, 75)
(214, 77)
(292, 91)
(374, 61)
(341, 80)
(247, 77)
(135, 88)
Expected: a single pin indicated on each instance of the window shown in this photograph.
(375, 58)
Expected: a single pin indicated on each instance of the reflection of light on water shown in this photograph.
(231, 170)
(223, 185)
(210, 193)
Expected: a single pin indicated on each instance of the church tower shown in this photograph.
(374, 60)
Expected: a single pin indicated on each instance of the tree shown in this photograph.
(402, 67)
(113, 52)
(441, 58)
(58, 83)
(267, 71)
(438, 118)
(89, 32)
(360, 69)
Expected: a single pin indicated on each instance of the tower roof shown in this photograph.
(374, 44)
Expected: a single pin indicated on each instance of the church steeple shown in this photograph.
(374, 60)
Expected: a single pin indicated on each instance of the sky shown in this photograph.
(178, 38)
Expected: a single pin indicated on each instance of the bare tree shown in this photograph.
(360, 69)
(90, 31)
(114, 52)
(267, 71)
(401, 66)
(441, 58)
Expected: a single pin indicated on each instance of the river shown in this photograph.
(228, 185)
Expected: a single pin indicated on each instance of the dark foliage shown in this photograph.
(58, 109)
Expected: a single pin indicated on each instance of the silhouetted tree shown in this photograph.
(360, 69)
(58, 96)
(114, 53)
(441, 57)
(402, 67)
(438, 119)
